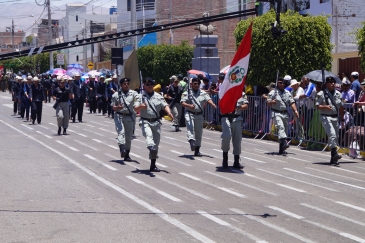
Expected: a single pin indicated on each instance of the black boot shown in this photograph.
(283, 145)
(59, 131)
(335, 157)
(236, 163)
(192, 144)
(64, 131)
(126, 156)
(153, 167)
(153, 152)
(197, 153)
(225, 160)
(121, 150)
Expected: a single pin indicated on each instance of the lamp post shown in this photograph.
(51, 62)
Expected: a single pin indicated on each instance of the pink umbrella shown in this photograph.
(94, 72)
(58, 72)
(194, 72)
(225, 69)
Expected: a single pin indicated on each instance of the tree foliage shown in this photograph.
(38, 63)
(304, 47)
(360, 37)
(161, 61)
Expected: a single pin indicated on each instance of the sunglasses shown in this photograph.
(148, 84)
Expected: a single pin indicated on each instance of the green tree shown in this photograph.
(304, 47)
(161, 61)
(38, 63)
(360, 37)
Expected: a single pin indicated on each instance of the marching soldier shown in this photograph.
(149, 104)
(280, 99)
(330, 104)
(62, 95)
(27, 90)
(91, 87)
(194, 115)
(112, 89)
(102, 95)
(36, 97)
(232, 128)
(123, 103)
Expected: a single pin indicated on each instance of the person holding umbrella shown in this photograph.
(330, 104)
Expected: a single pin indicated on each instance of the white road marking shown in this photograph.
(338, 182)
(344, 234)
(271, 182)
(125, 193)
(333, 214)
(286, 212)
(174, 160)
(162, 193)
(205, 161)
(169, 143)
(8, 105)
(43, 127)
(27, 126)
(171, 138)
(98, 161)
(109, 122)
(112, 146)
(277, 228)
(99, 124)
(93, 132)
(157, 163)
(241, 183)
(52, 124)
(266, 157)
(98, 141)
(185, 188)
(325, 172)
(135, 155)
(73, 125)
(89, 125)
(351, 206)
(107, 130)
(86, 145)
(308, 183)
(82, 135)
(43, 134)
(211, 184)
(350, 171)
(72, 148)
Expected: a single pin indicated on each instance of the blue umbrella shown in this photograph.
(49, 72)
(75, 66)
(105, 71)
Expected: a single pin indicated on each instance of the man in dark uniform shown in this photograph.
(62, 95)
(15, 92)
(47, 87)
(102, 95)
(78, 92)
(173, 96)
(36, 97)
(27, 90)
(91, 95)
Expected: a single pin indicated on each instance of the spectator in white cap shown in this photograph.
(287, 79)
(355, 86)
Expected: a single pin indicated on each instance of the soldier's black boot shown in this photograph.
(126, 156)
(283, 145)
(192, 144)
(59, 131)
(335, 157)
(225, 160)
(64, 131)
(197, 153)
(121, 150)
(153, 167)
(177, 129)
(236, 163)
(153, 152)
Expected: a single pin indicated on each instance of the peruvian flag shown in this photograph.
(231, 88)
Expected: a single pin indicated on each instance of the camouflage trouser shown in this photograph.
(330, 125)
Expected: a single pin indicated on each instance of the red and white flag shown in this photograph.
(231, 88)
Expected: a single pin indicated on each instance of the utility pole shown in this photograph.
(12, 34)
(84, 47)
(92, 45)
(51, 63)
(134, 21)
(170, 20)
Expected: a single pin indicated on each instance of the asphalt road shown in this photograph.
(76, 188)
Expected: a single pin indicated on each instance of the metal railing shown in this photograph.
(307, 129)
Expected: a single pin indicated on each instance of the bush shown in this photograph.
(304, 47)
(161, 61)
(360, 37)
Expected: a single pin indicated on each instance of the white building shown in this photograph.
(145, 16)
(77, 24)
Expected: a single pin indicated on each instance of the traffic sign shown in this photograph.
(90, 65)
(60, 59)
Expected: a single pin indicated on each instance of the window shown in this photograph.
(128, 5)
